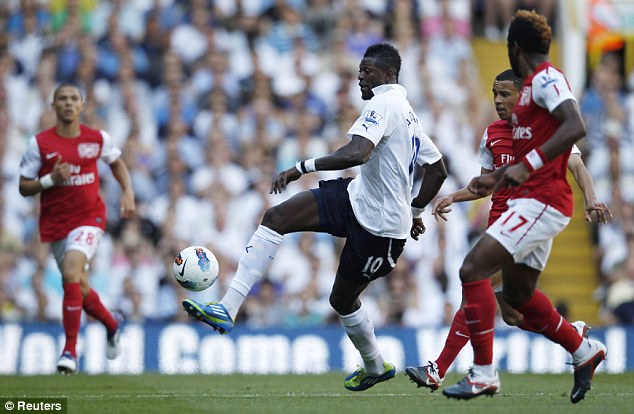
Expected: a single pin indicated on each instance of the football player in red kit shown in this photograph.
(61, 165)
(546, 124)
(496, 151)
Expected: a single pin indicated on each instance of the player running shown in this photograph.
(546, 124)
(495, 152)
(61, 165)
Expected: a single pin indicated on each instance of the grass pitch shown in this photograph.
(298, 394)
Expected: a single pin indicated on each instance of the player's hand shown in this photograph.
(441, 207)
(127, 205)
(484, 184)
(604, 215)
(283, 179)
(60, 171)
(515, 175)
(418, 228)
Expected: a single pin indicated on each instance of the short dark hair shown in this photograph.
(509, 75)
(530, 31)
(68, 85)
(385, 54)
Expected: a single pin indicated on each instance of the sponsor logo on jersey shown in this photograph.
(506, 159)
(525, 96)
(547, 80)
(79, 179)
(52, 155)
(520, 132)
(88, 150)
(372, 117)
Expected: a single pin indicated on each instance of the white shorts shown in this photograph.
(527, 229)
(84, 239)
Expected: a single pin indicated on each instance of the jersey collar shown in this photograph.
(389, 87)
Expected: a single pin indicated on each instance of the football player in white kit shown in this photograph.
(374, 211)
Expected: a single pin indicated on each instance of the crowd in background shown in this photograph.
(208, 99)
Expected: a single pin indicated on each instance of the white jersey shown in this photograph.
(381, 194)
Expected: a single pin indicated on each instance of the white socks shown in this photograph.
(484, 370)
(360, 330)
(259, 254)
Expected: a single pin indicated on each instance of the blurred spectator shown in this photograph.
(360, 30)
(497, 18)
(432, 13)
(619, 301)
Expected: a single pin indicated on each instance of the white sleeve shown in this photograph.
(109, 153)
(31, 160)
(372, 124)
(550, 88)
(575, 150)
(428, 152)
(486, 156)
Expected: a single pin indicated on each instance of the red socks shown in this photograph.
(541, 317)
(71, 311)
(93, 307)
(480, 318)
(456, 340)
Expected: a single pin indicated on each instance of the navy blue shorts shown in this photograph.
(364, 257)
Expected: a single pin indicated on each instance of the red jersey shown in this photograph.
(533, 125)
(76, 201)
(496, 150)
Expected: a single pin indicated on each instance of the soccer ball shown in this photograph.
(196, 268)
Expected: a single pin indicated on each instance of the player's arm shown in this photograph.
(122, 175)
(441, 205)
(570, 130)
(59, 173)
(356, 152)
(434, 176)
(584, 181)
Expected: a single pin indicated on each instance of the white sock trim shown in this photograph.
(353, 318)
(268, 234)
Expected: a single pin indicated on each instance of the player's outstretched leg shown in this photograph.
(585, 367)
(359, 380)
(113, 338)
(213, 314)
(426, 376)
(474, 385)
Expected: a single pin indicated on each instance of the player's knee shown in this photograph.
(513, 299)
(71, 276)
(339, 304)
(513, 318)
(335, 302)
(468, 272)
(274, 219)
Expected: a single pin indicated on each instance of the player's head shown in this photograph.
(380, 65)
(68, 102)
(506, 88)
(529, 34)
